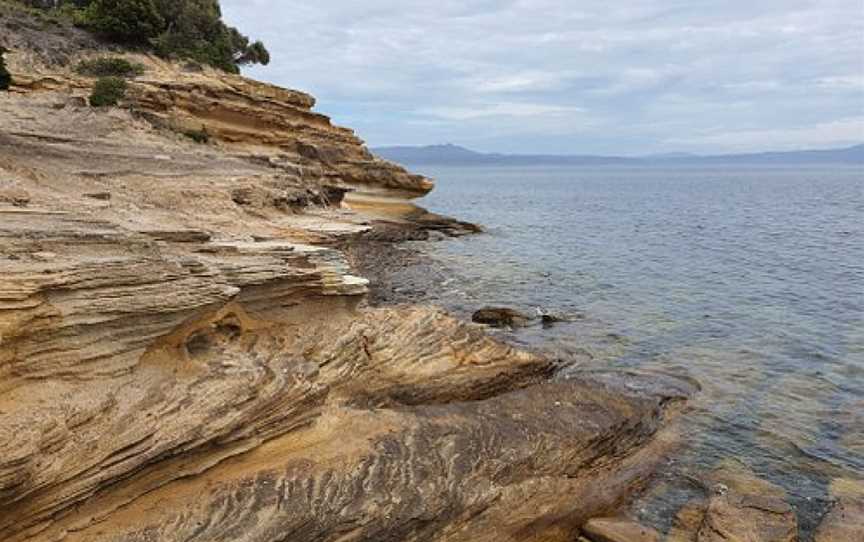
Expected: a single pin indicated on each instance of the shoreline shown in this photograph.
(740, 415)
(234, 341)
(178, 316)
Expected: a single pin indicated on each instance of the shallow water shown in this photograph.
(749, 280)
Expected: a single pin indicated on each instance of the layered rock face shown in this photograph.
(274, 125)
(185, 353)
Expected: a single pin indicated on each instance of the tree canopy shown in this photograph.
(132, 21)
(190, 29)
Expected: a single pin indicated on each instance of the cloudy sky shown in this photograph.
(566, 76)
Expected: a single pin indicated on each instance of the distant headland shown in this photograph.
(450, 154)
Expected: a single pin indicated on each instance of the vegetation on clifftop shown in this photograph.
(109, 67)
(191, 29)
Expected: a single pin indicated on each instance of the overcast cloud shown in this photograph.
(567, 76)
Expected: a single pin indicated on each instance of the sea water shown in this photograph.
(750, 280)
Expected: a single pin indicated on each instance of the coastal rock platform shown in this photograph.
(186, 352)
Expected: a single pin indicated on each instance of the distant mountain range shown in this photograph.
(455, 155)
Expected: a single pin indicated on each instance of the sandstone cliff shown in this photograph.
(185, 353)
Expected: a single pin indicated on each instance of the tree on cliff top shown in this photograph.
(172, 28)
(195, 30)
(128, 21)
(5, 76)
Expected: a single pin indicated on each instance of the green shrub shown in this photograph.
(43, 13)
(183, 29)
(125, 21)
(196, 31)
(5, 76)
(109, 66)
(108, 91)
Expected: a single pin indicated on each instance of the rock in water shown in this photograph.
(500, 317)
(845, 521)
(741, 508)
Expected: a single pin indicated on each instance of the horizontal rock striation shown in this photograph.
(270, 123)
(478, 470)
(185, 352)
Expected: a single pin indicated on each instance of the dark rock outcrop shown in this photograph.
(500, 317)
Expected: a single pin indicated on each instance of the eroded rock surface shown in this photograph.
(275, 126)
(474, 470)
(185, 352)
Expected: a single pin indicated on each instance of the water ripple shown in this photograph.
(751, 281)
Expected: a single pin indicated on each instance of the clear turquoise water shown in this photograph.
(749, 280)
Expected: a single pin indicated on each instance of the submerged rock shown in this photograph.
(500, 317)
(507, 317)
(845, 520)
(549, 318)
(740, 508)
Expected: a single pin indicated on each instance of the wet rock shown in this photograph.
(844, 523)
(851, 419)
(686, 523)
(549, 318)
(618, 530)
(748, 518)
(500, 317)
(845, 520)
(740, 508)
